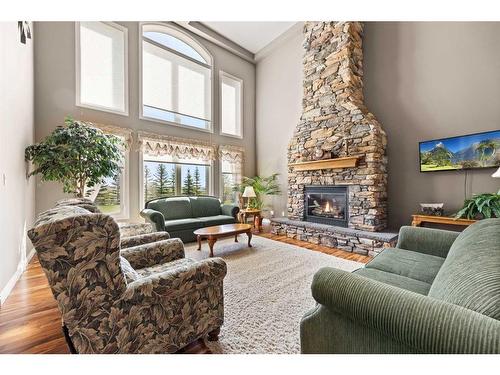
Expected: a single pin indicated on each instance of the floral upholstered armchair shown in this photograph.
(142, 298)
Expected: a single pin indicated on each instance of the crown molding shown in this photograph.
(295, 29)
(213, 36)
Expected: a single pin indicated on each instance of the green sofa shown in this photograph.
(436, 292)
(181, 216)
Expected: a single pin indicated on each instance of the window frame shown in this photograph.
(96, 107)
(186, 38)
(142, 159)
(223, 74)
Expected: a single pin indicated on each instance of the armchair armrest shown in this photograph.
(426, 240)
(230, 210)
(424, 323)
(177, 282)
(142, 239)
(156, 218)
(154, 253)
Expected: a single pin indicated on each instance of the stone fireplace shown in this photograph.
(337, 143)
(335, 123)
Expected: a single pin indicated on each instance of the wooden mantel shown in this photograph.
(337, 163)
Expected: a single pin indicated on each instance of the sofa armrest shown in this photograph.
(426, 240)
(423, 323)
(143, 239)
(154, 253)
(230, 210)
(177, 282)
(156, 218)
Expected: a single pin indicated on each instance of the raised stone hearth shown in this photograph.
(335, 123)
(348, 239)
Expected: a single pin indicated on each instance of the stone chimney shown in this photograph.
(335, 123)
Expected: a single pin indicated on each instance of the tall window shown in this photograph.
(176, 78)
(231, 98)
(101, 62)
(164, 179)
(231, 161)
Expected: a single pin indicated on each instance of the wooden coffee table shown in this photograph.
(219, 231)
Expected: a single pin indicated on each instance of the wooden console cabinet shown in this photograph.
(418, 220)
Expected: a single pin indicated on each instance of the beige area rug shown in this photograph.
(266, 292)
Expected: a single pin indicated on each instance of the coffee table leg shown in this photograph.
(235, 238)
(249, 234)
(211, 243)
(198, 237)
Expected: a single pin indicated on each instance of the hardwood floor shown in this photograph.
(30, 322)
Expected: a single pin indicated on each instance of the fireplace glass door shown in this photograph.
(327, 205)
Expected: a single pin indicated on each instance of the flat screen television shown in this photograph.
(480, 150)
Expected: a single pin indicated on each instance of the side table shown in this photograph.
(255, 214)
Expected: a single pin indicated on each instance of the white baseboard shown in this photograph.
(13, 280)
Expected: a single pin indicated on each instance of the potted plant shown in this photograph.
(480, 206)
(263, 186)
(78, 155)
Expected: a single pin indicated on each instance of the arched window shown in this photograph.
(176, 78)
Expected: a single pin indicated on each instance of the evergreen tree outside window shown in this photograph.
(166, 179)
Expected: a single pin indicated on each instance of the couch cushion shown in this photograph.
(181, 224)
(417, 266)
(209, 221)
(205, 206)
(393, 279)
(172, 208)
(470, 275)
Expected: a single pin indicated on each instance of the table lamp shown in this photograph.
(248, 193)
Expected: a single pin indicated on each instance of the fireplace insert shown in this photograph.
(326, 205)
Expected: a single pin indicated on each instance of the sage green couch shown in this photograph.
(436, 292)
(181, 216)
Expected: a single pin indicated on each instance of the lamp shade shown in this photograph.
(249, 192)
(496, 174)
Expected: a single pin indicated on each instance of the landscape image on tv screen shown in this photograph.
(480, 150)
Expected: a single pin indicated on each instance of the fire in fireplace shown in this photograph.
(326, 205)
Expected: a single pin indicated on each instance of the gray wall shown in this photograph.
(17, 193)
(422, 81)
(279, 106)
(426, 80)
(55, 99)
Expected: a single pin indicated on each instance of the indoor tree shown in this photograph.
(78, 155)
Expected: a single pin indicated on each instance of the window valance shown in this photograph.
(232, 154)
(124, 133)
(159, 145)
